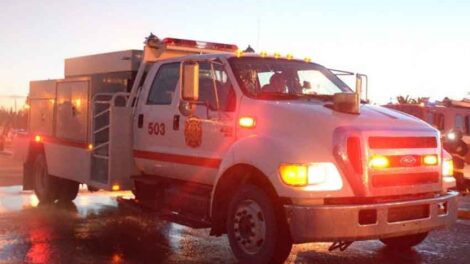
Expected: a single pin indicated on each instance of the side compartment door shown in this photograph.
(154, 136)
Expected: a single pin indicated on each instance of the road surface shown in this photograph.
(95, 229)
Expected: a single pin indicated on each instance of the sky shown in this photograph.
(417, 48)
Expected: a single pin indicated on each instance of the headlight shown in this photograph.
(448, 181)
(322, 176)
(447, 167)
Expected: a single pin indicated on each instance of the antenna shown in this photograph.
(258, 29)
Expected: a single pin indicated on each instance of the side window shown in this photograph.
(164, 85)
(429, 117)
(215, 88)
(459, 122)
(467, 125)
(438, 121)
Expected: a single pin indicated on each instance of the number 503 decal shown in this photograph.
(156, 129)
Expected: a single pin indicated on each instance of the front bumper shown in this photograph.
(324, 223)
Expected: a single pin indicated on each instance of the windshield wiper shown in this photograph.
(292, 96)
(277, 96)
(322, 97)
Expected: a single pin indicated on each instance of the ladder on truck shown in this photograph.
(111, 138)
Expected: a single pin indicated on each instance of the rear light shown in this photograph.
(379, 162)
(354, 153)
(38, 138)
(430, 160)
(116, 187)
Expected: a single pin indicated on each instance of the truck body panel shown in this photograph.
(118, 121)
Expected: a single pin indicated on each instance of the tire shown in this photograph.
(256, 229)
(68, 190)
(404, 242)
(45, 186)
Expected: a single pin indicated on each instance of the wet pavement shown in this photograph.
(96, 229)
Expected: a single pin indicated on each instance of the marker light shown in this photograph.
(294, 175)
(277, 55)
(289, 56)
(308, 59)
(263, 54)
(247, 122)
(38, 138)
(239, 53)
(430, 160)
(116, 187)
(379, 162)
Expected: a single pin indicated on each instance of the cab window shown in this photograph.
(164, 84)
(215, 88)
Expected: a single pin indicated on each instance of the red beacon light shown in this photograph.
(199, 44)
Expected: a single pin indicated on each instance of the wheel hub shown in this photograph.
(249, 226)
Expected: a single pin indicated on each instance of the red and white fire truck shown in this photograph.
(268, 150)
(451, 118)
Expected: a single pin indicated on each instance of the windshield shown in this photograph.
(279, 78)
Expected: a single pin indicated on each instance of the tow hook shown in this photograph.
(341, 245)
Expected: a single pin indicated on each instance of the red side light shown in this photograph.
(180, 42)
(355, 153)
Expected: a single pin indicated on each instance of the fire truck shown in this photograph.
(452, 119)
(269, 150)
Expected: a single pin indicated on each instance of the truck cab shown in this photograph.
(270, 151)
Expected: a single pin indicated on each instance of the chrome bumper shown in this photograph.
(324, 223)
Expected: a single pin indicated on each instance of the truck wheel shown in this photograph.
(257, 234)
(404, 242)
(44, 184)
(68, 190)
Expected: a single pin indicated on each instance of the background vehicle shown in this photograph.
(267, 150)
(452, 119)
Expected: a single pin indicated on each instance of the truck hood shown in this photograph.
(310, 125)
(316, 114)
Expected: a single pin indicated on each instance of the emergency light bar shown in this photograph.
(199, 44)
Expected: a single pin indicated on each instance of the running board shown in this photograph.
(134, 206)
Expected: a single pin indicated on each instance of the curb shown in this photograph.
(463, 214)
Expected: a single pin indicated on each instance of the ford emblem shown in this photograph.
(408, 161)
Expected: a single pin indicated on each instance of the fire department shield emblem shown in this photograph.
(193, 132)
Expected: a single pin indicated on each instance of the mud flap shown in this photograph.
(28, 179)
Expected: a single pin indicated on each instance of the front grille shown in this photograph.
(404, 179)
(402, 142)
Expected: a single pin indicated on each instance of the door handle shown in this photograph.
(140, 121)
(176, 122)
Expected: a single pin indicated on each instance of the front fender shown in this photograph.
(263, 153)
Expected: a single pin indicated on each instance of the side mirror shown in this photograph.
(190, 81)
(347, 103)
